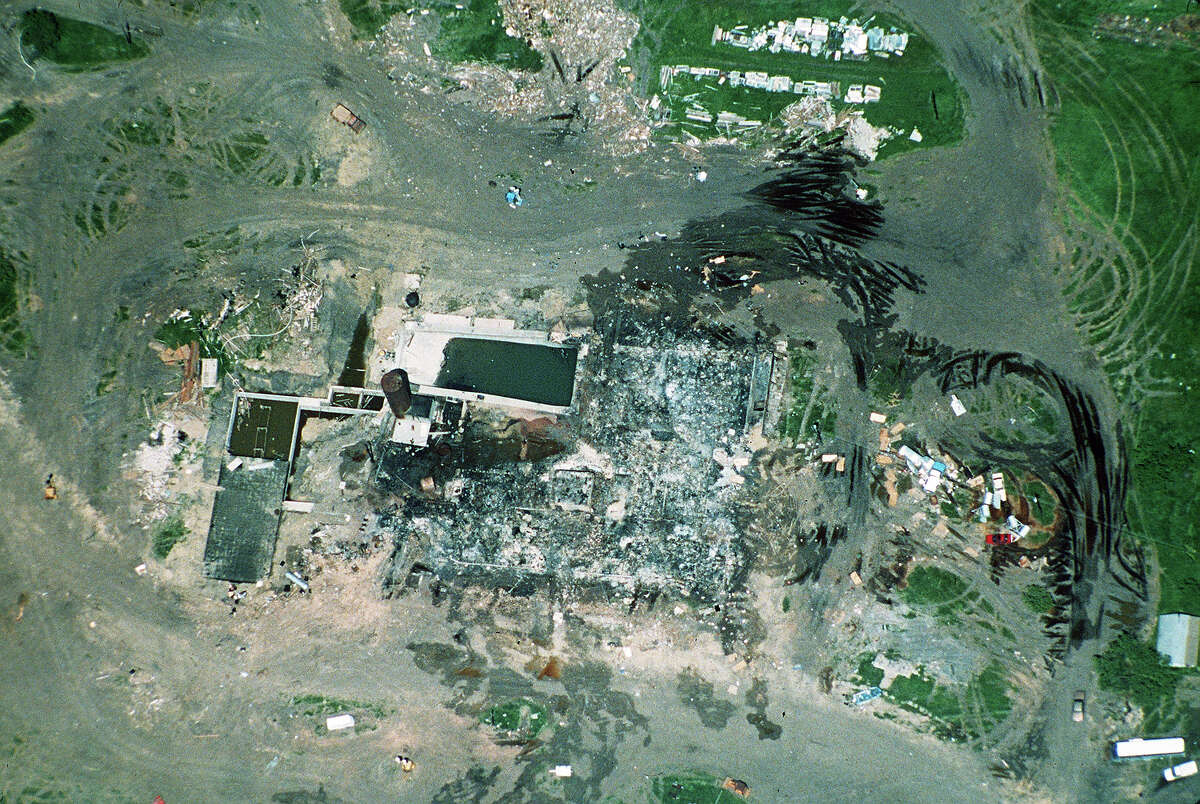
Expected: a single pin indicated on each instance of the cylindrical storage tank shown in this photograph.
(397, 391)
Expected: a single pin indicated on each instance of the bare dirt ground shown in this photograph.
(116, 686)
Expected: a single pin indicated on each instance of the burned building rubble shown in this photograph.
(634, 487)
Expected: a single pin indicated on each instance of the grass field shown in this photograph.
(1126, 141)
(476, 32)
(675, 32)
(12, 285)
(74, 45)
(14, 120)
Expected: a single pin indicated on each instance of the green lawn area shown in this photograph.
(14, 120)
(1126, 140)
(1038, 599)
(805, 419)
(933, 586)
(75, 45)
(677, 32)
(368, 16)
(170, 533)
(520, 717)
(12, 283)
(476, 33)
(1134, 669)
(692, 788)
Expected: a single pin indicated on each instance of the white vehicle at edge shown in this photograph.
(1180, 771)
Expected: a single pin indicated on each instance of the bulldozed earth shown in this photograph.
(684, 573)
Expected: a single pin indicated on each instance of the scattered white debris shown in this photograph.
(701, 176)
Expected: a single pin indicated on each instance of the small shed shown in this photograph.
(1179, 638)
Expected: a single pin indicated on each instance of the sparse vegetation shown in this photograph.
(311, 705)
(168, 534)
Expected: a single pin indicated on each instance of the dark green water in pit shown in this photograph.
(533, 372)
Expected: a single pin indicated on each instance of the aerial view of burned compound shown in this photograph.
(599, 401)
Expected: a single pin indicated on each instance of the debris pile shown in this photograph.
(640, 495)
(154, 462)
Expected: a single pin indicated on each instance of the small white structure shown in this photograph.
(1179, 639)
(998, 487)
(1180, 771)
(339, 722)
(878, 418)
(916, 136)
(562, 771)
(208, 372)
(957, 406)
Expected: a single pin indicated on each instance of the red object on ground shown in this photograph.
(1000, 538)
(158, 800)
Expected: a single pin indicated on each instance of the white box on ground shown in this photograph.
(208, 372)
(561, 771)
(339, 722)
(957, 406)
(1180, 771)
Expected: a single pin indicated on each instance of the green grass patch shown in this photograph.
(369, 16)
(1125, 140)
(810, 414)
(12, 287)
(987, 695)
(476, 33)
(1135, 670)
(14, 120)
(170, 533)
(693, 788)
(1041, 501)
(73, 44)
(912, 690)
(311, 705)
(868, 673)
(1038, 599)
(933, 586)
(677, 32)
(521, 718)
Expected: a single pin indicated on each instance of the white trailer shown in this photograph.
(1139, 748)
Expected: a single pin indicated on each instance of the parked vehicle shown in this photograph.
(1001, 538)
(1077, 707)
(343, 115)
(1139, 748)
(1180, 771)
